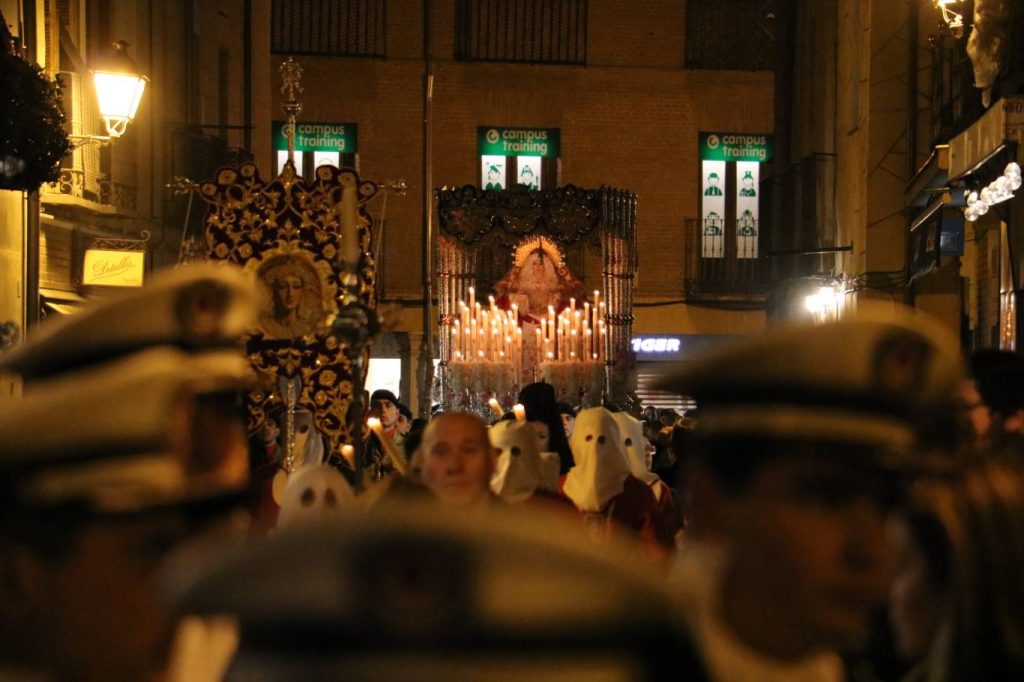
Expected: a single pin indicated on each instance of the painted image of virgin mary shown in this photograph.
(294, 305)
(536, 282)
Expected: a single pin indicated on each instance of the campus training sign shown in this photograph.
(493, 141)
(318, 136)
(735, 147)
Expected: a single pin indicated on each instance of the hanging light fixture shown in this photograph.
(997, 191)
(119, 88)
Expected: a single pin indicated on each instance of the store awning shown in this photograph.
(58, 302)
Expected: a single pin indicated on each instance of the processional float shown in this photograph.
(540, 320)
(309, 245)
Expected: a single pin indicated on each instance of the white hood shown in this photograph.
(601, 467)
(518, 471)
(316, 492)
(634, 444)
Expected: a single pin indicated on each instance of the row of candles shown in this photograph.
(490, 334)
(575, 334)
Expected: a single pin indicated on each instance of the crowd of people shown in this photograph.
(846, 503)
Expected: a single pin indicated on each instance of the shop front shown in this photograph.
(984, 169)
(657, 355)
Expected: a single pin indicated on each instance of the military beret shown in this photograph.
(872, 378)
(196, 306)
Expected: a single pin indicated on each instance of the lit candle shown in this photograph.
(496, 407)
(472, 298)
(389, 447)
(520, 412)
(349, 453)
(350, 247)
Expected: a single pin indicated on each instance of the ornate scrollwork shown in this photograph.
(122, 243)
(289, 233)
(470, 214)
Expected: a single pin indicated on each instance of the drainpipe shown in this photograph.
(427, 345)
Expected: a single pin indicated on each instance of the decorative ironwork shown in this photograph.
(749, 25)
(718, 273)
(522, 31)
(288, 230)
(354, 28)
(566, 214)
(122, 243)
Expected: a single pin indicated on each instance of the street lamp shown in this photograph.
(119, 88)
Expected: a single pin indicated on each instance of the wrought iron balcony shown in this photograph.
(721, 268)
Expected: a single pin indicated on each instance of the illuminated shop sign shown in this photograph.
(735, 147)
(673, 347)
(110, 268)
(656, 344)
(493, 141)
(318, 136)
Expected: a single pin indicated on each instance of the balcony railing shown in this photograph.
(722, 263)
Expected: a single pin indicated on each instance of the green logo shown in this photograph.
(493, 141)
(735, 147)
(317, 136)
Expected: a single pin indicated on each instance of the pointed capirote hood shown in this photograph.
(601, 467)
(519, 470)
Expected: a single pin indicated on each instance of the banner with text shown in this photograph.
(495, 141)
(735, 147)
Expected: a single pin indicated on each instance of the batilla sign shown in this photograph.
(114, 268)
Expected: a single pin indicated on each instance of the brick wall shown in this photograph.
(630, 119)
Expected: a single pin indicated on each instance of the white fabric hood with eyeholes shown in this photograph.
(315, 493)
(601, 467)
(634, 444)
(519, 470)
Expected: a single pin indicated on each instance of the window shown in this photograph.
(333, 28)
(729, 34)
(531, 31)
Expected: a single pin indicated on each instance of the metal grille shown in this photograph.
(333, 28)
(729, 34)
(532, 31)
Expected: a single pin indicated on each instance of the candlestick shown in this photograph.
(520, 412)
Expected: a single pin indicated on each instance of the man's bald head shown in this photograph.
(457, 459)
